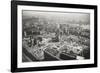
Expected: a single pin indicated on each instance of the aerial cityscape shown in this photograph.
(55, 36)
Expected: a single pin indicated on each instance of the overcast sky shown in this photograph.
(85, 17)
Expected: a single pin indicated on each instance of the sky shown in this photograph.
(58, 16)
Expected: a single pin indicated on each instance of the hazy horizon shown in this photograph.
(57, 16)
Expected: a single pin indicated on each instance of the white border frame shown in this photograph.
(53, 63)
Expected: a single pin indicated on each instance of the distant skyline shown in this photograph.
(58, 16)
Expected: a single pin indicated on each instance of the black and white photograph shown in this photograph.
(50, 36)
(55, 36)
